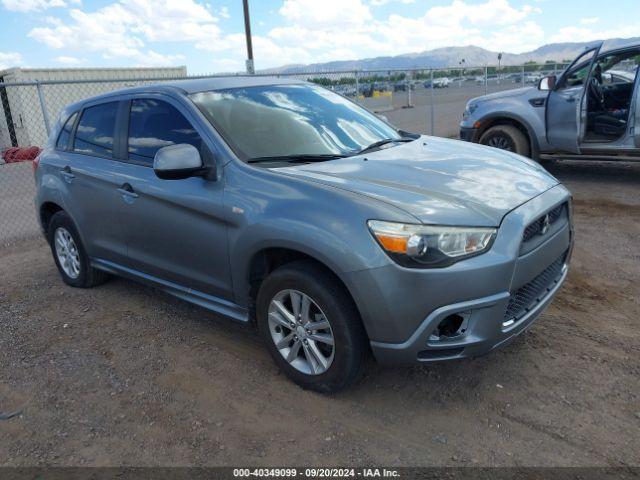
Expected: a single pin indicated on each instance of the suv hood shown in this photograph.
(516, 92)
(436, 180)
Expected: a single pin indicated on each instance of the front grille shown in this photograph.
(530, 294)
(536, 227)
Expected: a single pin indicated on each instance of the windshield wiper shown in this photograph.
(383, 142)
(303, 157)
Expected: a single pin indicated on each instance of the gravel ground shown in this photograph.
(125, 375)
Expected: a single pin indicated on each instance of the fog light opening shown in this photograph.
(451, 326)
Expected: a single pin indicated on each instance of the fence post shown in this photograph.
(486, 78)
(43, 107)
(432, 106)
(408, 84)
(523, 82)
(357, 86)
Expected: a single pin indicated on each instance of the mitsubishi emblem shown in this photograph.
(546, 223)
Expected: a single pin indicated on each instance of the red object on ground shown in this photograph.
(20, 154)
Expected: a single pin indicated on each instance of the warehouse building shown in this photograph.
(22, 121)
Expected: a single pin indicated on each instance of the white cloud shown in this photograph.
(65, 60)
(36, 5)
(377, 3)
(589, 20)
(122, 29)
(334, 14)
(224, 12)
(589, 33)
(151, 58)
(10, 59)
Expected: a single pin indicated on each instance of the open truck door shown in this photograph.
(566, 107)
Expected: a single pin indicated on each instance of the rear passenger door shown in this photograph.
(91, 173)
(175, 229)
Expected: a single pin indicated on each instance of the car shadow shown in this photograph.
(594, 170)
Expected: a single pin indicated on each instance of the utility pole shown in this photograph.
(499, 60)
(247, 32)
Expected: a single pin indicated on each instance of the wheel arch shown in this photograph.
(46, 212)
(268, 258)
(504, 118)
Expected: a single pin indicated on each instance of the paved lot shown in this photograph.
(125, 375)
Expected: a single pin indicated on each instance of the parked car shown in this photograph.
(442, 82)
(402, 85)
(490, 78)
(585, 111)
(279, 202)
(532, 78)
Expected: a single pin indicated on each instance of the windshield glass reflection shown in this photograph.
(285, 120)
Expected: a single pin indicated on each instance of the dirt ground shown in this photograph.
(125, 375)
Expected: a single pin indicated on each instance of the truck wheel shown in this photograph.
(311, 327)
(69, 254)
(506, 137)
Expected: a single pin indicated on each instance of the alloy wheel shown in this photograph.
(301, 332)
(501, 142)
(67, 252)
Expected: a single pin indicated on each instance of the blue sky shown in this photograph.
(207, 36)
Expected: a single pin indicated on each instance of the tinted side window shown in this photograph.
(155, 124)
(65, 133)
(95, 131)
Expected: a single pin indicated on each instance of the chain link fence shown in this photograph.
(428, 101)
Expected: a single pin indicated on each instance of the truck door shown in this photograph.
(566, 105)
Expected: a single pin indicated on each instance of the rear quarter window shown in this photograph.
(65, 133)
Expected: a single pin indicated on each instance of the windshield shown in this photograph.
(289, 120)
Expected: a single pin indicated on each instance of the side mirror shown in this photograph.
(547, 83)
(176, 162)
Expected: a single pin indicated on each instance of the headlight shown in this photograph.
(423, 246)
(469, 109)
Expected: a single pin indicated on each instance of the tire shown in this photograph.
(506, 137)
(81, 274)
(349, 352)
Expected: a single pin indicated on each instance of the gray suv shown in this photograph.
(591, 110)
(279, 202)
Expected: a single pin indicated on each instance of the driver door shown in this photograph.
(566, 108)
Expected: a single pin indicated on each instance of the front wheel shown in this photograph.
(311, 327)
(506, 137)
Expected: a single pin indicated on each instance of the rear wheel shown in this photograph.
(506, 137)
(69, 254)
(311, 327)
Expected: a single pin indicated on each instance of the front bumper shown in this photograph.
(401, 307)
(486, 330)
(469, 134)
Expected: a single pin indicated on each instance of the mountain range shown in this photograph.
(452, 56)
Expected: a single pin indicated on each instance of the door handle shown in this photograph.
(571, 99)
(127, 191)
(67, 174)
